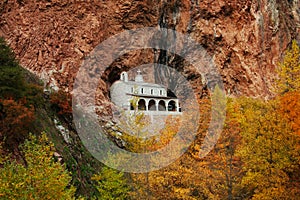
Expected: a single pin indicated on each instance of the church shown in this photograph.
(150, 98)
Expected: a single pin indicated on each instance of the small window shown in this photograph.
(151, 91)
(160, 92)
(131, 89)
(142, 90)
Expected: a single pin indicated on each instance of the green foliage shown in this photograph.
(18, 100)
(23, 109)
(111, 185)
(40, 178)
(7, 57)
(11, 80)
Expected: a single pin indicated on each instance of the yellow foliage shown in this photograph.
(289, 70)
(40, 178)
(268, 150)
(111, 184)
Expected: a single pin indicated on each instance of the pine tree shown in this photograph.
(12, 82)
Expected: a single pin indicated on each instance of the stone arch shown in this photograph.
(162, 105)
(142, 104)
(152, 105)
(172, 106)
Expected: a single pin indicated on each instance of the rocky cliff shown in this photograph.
(246, 38)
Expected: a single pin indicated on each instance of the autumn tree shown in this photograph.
(222, 162)
(111, 184)
(289, 70)
(289, 87)
(220, 170)
(61, 103)
(18, 99)
(189, 177)
(268, 151)
(289, 104)
(40, 177)
(15, 122)
(289, 107)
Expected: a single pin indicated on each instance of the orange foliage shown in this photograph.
(166, 135)
(290, 108)
(62, 102)
(15, 121)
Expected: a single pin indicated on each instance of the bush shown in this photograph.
(61, 103)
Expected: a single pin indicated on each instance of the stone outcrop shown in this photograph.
(246, 38)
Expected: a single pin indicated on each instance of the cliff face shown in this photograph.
(246, 38)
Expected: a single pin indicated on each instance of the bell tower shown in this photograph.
(124, 77)
(139, 77)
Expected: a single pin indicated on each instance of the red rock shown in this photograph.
(245, 38)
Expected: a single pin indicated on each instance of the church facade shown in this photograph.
(146, 97)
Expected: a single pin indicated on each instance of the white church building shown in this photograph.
(149, 98)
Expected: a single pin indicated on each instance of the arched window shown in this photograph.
(142, 104)
(161, 105)
(151, 105)
(172, 106)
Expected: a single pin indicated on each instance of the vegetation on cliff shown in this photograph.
(24, 109)
(39, 177)
(256, 157)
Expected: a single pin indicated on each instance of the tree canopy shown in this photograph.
(39, 177)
